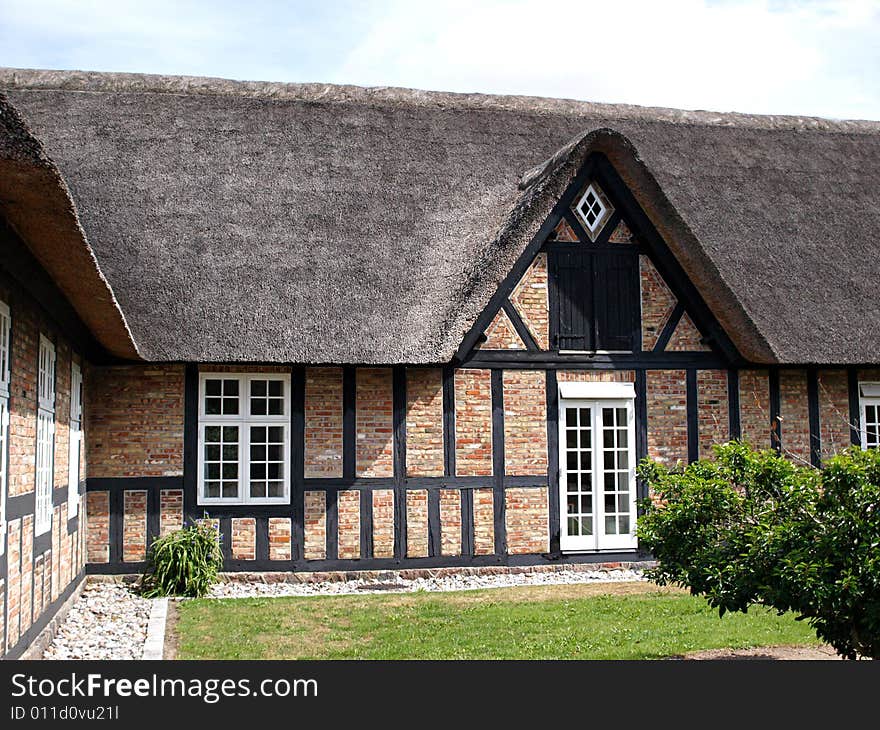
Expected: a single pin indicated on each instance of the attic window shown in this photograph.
(593, 210)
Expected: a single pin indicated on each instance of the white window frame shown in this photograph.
(244, 420)
(45, 456)
(597, 396)
(5, 339)
(74, 460)
(869, 395)
(606, 210)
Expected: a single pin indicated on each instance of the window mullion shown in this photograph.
(244, 461)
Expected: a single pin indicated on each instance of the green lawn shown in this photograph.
(607, 621)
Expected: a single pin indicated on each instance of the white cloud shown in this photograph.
(749, 56)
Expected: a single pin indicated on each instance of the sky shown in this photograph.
(814, 57)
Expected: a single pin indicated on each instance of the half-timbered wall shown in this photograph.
(427, 466)
(38, 569)
(441, 467)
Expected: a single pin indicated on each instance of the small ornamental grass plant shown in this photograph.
(183, 563)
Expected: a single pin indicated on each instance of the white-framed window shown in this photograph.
(45, 461)
(869, 401)
(75, 454)
(597, 478)
(5, 334)
(244, 438)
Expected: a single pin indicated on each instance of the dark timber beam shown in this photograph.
(693, 423)
(524, 334)
(775, 410)
(399, 427)
(498, 460)
(733, 407)
(553, 461)
(855, 412)
(813, 409)
(669, 328)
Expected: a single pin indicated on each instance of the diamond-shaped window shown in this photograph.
(593, 210)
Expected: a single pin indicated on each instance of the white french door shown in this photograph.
(597, 477)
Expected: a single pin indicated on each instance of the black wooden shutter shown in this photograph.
(574, 301)
(616, 284)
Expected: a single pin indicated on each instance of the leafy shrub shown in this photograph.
(183, 563)
(754, 528)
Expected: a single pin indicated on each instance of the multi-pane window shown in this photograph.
(870, 402)
(244, 438)
(597, 470)
(5, 321)
(45, 462)
(75, 455)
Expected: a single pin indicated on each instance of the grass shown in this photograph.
(609, 621)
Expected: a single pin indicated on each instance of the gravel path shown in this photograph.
(107, 622)
(448, 582)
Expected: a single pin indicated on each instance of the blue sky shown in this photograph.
(817, 57)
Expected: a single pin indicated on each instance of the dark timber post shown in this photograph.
(815, 426)
(498, 460)
(553, 460)
(855, 416)
(297, 460)
(399, 421)
(693, 429)
(733, 412)
(775, 408)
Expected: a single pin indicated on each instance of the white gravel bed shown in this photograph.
(108, 621)
(396, 584)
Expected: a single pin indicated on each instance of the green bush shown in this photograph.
(754, 528)
(183, 563)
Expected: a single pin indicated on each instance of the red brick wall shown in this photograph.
(134, 421)
(323, 416)
(13, 576)
(315, 526)
(795, 415)
(686, 337)
(416, 523)
(657, 302)
(27, 562)
(531, 301)
(834, 423)
(501, 335)
(754, 407)
(712, 410)
(484, 522)
(98, 527)
(244, 538)
(596, 376)
(525, 422)
(527, 520)
(348, 511)
(279, 538)
(424, 422)
(667, 416)
(134, 525)
(170, 511)
(383, 523)
(473, 423)
(450, 522)
(375, 427)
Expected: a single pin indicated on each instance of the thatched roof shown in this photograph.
(327, 224)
